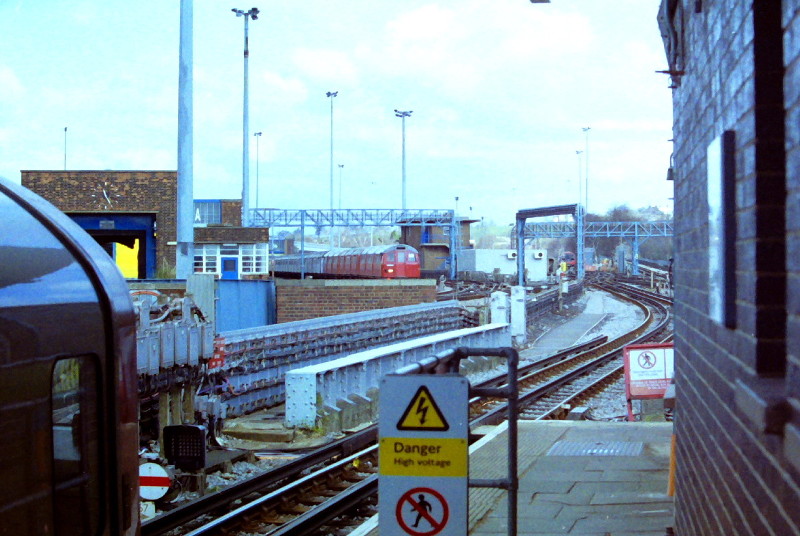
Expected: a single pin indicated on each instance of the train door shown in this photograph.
(388, 265)
(400, 265)
(230, 268)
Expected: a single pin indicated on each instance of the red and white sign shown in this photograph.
(422, 512)
(648, 370)
(154, 481)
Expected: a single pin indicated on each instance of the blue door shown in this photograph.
(230, 268)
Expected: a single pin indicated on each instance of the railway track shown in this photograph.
(336, 487)
(469, 290)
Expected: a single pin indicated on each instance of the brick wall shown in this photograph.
(313, 298)
(735, 475)
(235, 235)
(114, 191)
(231, 212)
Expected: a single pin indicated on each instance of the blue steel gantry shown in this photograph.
(273, 217)
(636, 231)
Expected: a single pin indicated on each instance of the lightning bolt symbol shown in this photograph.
(422, 410)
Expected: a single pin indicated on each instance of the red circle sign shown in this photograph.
(419, 504)
(154, 481)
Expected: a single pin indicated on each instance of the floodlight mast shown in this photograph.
(251, 14)
(402, 115)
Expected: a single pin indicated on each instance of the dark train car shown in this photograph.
(292, 263)
(569, 258)
(68, 392)
(395, 261)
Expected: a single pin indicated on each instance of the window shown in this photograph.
(206, 258)
(76, 449)
(254, 258)
(207, 212)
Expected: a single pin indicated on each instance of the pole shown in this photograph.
(65, 148)
(586, 175)
(184, 260)
(404, 163)
(402, 116)
(257, 136)
(331, 95)
(245, 130)
(341, 167)
(580, 177)
(252, 13)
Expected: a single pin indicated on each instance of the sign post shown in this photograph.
(648, 371)
(424, 455)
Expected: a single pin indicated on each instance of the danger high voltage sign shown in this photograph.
(424, 455)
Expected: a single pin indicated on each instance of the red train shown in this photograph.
(569, 258)
(396, 261)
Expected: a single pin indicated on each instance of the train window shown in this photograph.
(76, 489)
(412, 257)
(401, 256)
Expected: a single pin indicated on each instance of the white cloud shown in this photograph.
(326, 65)
(11, 88)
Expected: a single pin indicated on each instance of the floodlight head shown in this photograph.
(331, 93)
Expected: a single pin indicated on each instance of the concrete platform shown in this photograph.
(563, 336)
(577, 478)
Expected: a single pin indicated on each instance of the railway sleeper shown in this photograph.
(293, 505)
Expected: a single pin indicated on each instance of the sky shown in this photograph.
(500, 90)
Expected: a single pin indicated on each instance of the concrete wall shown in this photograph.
(313, 298)
(737, 457)
(505, 260)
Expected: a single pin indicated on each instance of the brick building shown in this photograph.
(433, 242)
(138, 209)
(735, 71)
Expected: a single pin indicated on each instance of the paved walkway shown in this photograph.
(563, 336)
(577, 478)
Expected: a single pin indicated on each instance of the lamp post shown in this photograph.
(65, 148)
(586, 175)
(252, 13)
(331, 95)
(580, 177)
(257, 136)
(341, 167)
(402, 116)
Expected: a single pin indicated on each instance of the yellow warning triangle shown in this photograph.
(423, 414)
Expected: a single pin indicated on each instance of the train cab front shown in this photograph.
(68, 378)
